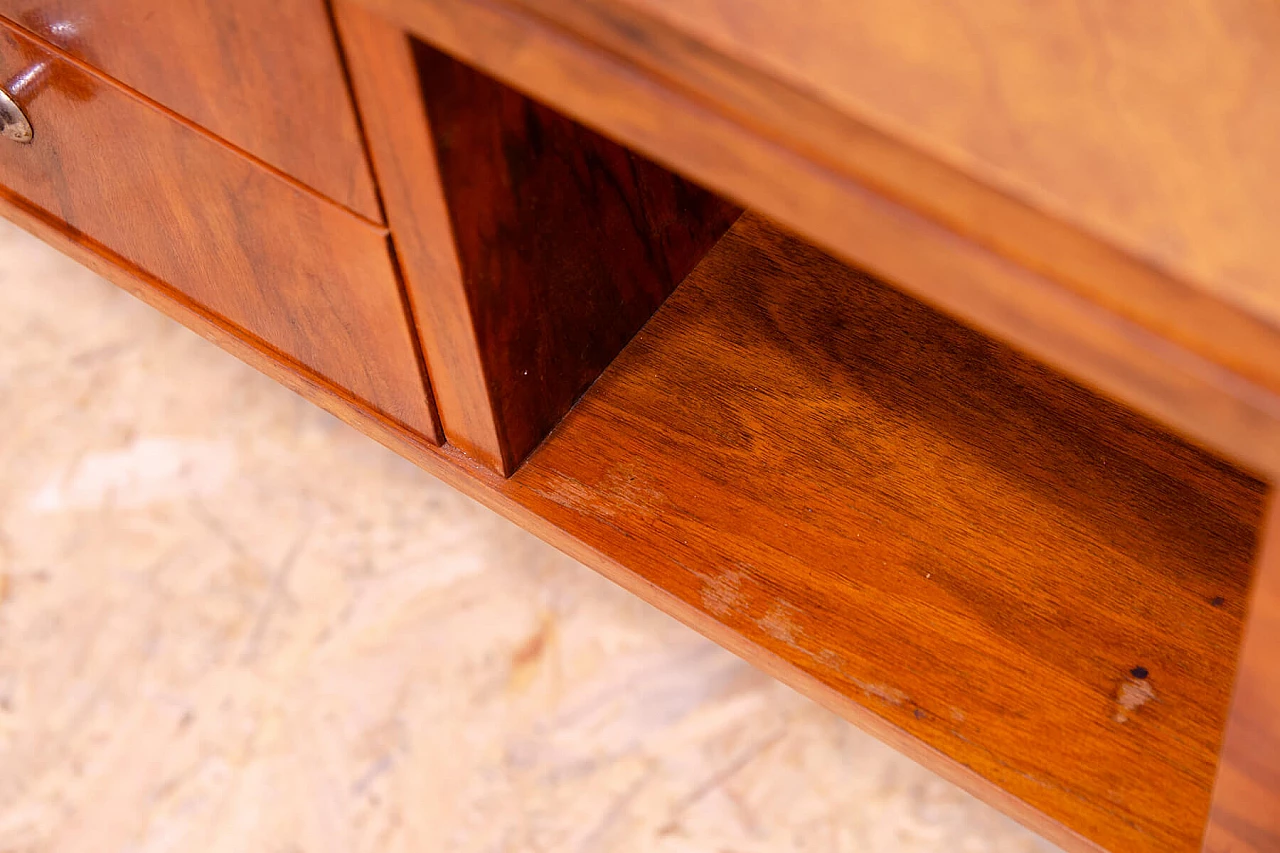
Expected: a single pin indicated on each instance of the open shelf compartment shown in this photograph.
(1031, 580)
(1024, 585)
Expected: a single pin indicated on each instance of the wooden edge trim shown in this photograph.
(385, 81)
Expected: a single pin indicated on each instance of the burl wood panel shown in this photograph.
(307, 278)
(1033, 581)
(533, 248)
(1208, 367)
(265, 76)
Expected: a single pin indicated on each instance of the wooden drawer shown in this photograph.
(265, 76)
(290, 268)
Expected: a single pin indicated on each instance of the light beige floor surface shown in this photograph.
(230, 623)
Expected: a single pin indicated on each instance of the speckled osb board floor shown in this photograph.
(230, 623)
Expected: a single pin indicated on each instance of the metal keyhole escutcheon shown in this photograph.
(14, 123)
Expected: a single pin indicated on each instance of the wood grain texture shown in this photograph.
(1030, 580)
(1205, 365)
(258, 354)
(533, 248)
(567, 244)
(1150, 130)
(266, 77)
(1246, 802)
(304, 276)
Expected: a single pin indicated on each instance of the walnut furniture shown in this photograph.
(926, 356)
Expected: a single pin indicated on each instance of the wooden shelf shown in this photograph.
(1032, 581)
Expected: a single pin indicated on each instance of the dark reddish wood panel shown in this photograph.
(255, 352)
(265, 75)
(567, 242)
(300, 274)
(533, 249)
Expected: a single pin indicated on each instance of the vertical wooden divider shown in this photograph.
(1245, 816)
(533, 249)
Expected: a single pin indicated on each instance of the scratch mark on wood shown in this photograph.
(779, 624)
(1132, 695)
(722, 593)
(883, 692)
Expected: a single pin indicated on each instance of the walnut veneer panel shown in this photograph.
(308, 278)
(265, 76)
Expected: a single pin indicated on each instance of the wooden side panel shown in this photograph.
(265, 76)
(567, 242)
(1246, 802)
(533, 248)
(302, 275)
(387, 89)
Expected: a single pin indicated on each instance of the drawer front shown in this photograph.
(265, 75)
(301, 274)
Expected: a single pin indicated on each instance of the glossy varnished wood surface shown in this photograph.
(384, 76)
(1162, 323)
(1060, 587)
(255, 352)
(567, 243)
(265, 76)
(1026, 578)
(1201, 362)
(1151, 129)
(532, 247)
(298, 273)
